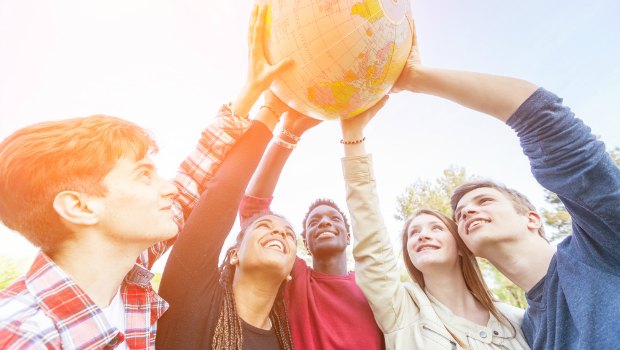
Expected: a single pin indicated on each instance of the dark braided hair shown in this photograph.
(228, 332)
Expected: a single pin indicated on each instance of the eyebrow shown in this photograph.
(330, 212)
(271, 222)
(144, 164)
(458, 208)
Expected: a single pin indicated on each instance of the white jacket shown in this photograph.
(408, 317)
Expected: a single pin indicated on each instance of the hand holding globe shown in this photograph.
(348, 53)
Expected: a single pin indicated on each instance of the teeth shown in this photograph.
(476, 223)
(326, 234)
(427, 248)
(275, 244)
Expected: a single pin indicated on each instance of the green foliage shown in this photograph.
(10, 270)
(615, 155)
(156, 281)
(556, 218)
(436, 195)
(501, 286)
(426, 194)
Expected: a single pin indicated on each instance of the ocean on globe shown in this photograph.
(347, 53)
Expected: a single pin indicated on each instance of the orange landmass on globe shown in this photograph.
(368, 9)
(348, 96)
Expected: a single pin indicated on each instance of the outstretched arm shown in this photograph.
(376, 267)
(260, 191)
(230, 123)
(494, 95)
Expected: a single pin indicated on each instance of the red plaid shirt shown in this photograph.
(46, 309)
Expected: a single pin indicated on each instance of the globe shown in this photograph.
(347, 53)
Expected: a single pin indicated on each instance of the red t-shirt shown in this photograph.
(325, 311)
(329, 312)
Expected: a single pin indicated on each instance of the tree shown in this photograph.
(10, 270)
(556, 217)
(436, 195)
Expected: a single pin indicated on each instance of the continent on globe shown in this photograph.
(348, 53)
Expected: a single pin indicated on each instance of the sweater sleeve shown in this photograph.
(251, 205)
(191, 274)
(197, 169)
(566, 158)
(376, 266)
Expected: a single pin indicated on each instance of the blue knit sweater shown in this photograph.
(577, 304)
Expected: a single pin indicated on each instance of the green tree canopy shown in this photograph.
(435, 195)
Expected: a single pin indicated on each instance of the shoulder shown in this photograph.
(23, 324)
(512, 313)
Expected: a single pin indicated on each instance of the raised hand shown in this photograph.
(260, 72)
(413, 63)
(353, 128)
(298, 123)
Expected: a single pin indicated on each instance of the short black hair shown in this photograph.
(330, 203)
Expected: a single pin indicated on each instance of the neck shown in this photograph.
(254, 297)
(524, 261)
(335, 264)
(97, 267)
(448, 286)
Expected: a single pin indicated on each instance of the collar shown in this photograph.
(75, 315)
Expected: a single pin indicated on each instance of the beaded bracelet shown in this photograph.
(284, 144)
(290, 135)
(354, 142)
(271, 110)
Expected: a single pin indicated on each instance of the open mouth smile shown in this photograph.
(474, 224)
(275, 244)
(325, 235)
(425, 247)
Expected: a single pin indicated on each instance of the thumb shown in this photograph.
(283, 65)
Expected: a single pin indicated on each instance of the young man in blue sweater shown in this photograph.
(572, 290)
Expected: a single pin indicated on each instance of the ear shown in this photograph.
(303, 238)
(348, 238)
(73, 207)
(534, 221)
(234, 257)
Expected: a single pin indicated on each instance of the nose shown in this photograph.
(324, 222)
(468, 210)
(423, 236)
(279, 231)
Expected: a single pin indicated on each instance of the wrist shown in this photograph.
(268, 118)
(288, 135)
(417, 79)
(245, 100)
(352, 134)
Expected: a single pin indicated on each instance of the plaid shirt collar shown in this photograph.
(80, 322)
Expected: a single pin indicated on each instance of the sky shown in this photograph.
(168, 66)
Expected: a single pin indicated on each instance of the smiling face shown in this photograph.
(485, 217)
(137, 207)
(269, 243)
(430, 244)
(325, 232)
